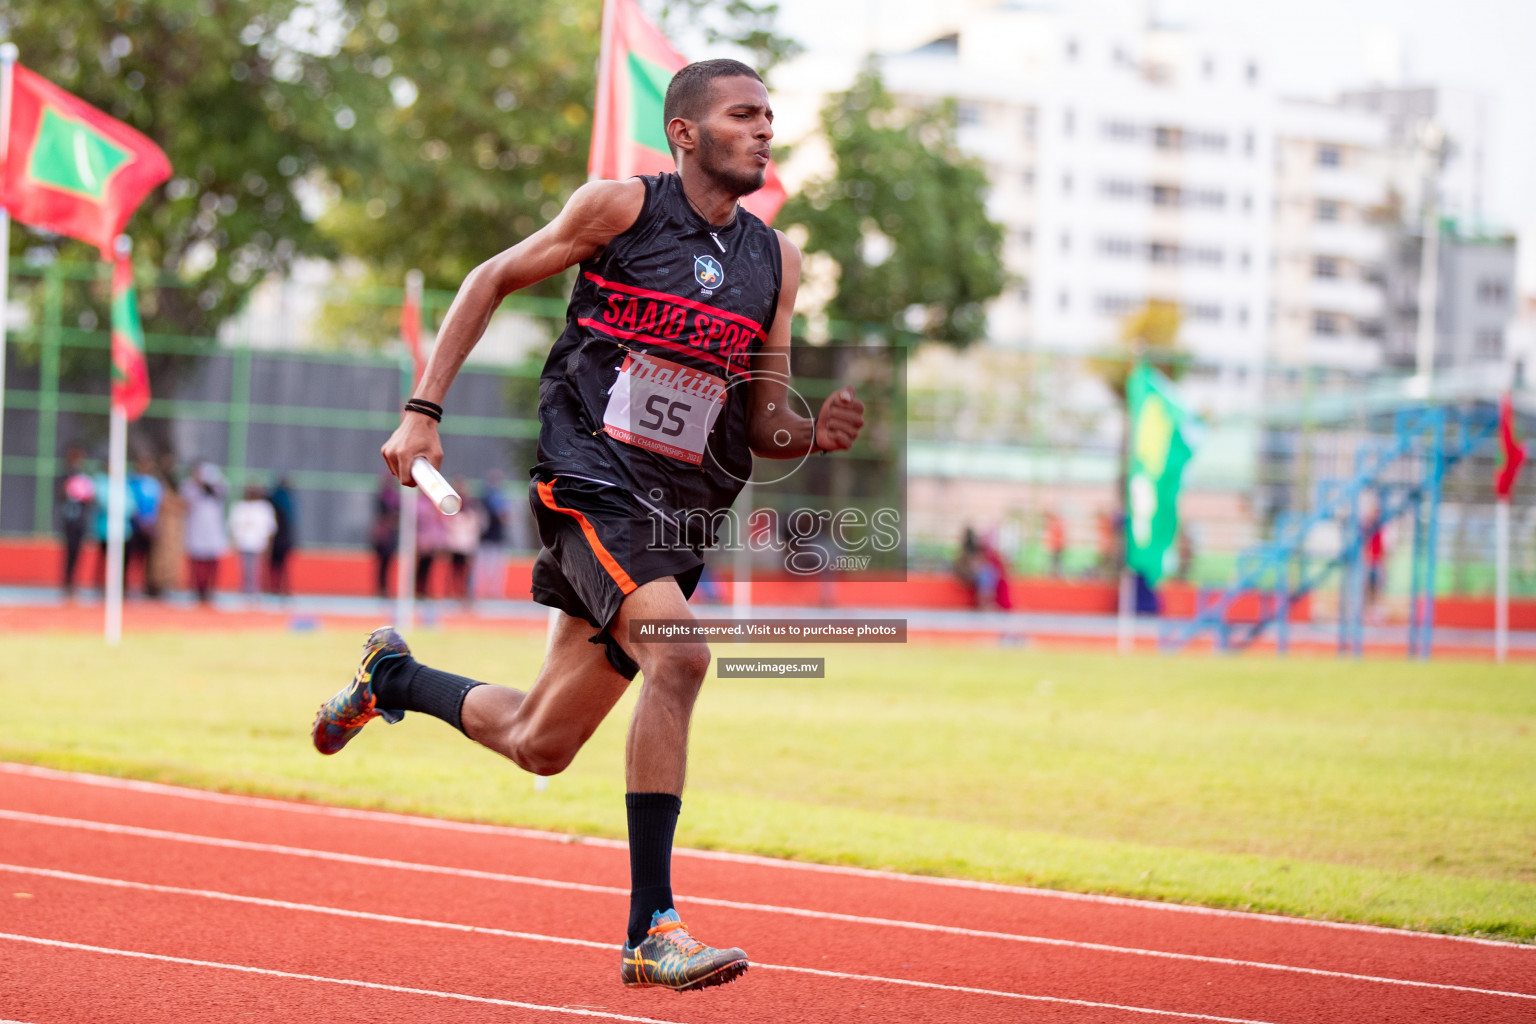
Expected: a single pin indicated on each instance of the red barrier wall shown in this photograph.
(349, 572)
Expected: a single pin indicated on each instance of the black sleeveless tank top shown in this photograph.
(647, 387)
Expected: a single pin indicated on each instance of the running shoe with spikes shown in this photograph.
(668, 957)
(341, 717)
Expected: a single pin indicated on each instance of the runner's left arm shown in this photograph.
(774, 429)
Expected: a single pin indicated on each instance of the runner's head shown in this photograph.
(717, 116)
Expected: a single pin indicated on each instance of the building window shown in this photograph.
(1492, 291)
(1247, 202)
(1253, 73)
(1027, 179)
(968, 115)
(1063, 300)
(1242, 316)
(1209, 67)
(1071, 49)
(1067, 121)
(1325, 324)
(1488, 344)
(1119, 188)
(1163, 252)
(1066, 184)
(1371, 328)
(1330, 156)
(1121, 131)
(1326, 209)
(1029, 123)
(1249, 143)
(1111, 246)
(1168, 137)
(1245, 259)
(1325, 267)
(1027, 237)
(1165, 195)
(1117, 305)
(1204, 312)
(1066, 242)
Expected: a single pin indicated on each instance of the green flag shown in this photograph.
(1159, 448)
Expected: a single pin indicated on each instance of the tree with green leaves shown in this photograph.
(904, 216)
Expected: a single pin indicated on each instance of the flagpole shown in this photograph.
(117, 498)
(405, 569)
(1501, 585)
(8, 55)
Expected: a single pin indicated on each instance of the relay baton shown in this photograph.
(434, 486)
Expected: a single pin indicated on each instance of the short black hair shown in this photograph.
(689, 89)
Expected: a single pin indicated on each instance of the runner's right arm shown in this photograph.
(596, 214)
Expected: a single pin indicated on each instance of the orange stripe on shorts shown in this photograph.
(627, 585)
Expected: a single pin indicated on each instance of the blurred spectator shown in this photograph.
(1110, 553)
(205, 537)
(968, 558)
(168, 553)
(146, 494)
(1055, 541)
(462, 541)
(103, 485)
(252, 522)
(1374, 540)
(75, 497)
(284, 539)
(431, 540)
(1185, 543)
(384, 534)
(490, 573)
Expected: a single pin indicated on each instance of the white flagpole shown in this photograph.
(8, 55)
(117, 500)
(405, 571)
(1501, 586)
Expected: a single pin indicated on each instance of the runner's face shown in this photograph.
(734, 136)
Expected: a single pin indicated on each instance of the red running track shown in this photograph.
(130, 901)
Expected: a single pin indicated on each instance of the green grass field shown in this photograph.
(1366, 791)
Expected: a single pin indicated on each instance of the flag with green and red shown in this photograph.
(130, 373)
(70, 168)
(629, 134)
(1511, 452)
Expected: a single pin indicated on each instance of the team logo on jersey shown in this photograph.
(708, 272)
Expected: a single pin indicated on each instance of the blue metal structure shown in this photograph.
(1402, 473)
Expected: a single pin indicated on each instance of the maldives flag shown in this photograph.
(72, 169)
(130, 374)
(1512, 451)
(628, 134)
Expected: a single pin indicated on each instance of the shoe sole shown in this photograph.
(722, 975)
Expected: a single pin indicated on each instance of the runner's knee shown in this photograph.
(543, 756)
(678, 667)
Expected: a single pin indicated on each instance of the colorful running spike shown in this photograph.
(668, 957)
(340, 718)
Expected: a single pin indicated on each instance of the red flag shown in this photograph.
(72, 169)
(410, 325)
(628, 134)
(1512, 451)
(130, 373)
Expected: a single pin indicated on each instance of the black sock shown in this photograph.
(405, 684)
(652, 820)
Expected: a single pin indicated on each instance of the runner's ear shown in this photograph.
(683, 134)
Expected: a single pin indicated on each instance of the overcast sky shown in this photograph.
(1315, 47)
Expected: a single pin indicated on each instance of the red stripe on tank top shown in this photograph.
(701, 307)
(649, 339)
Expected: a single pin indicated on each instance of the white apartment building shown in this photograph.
(1127, 163)
(1333, 226)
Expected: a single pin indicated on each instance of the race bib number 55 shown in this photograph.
(663, 407)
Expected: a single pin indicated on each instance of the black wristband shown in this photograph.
(426, 408)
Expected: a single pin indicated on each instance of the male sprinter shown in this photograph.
(646, 414)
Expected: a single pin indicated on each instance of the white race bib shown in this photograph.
(663, 407)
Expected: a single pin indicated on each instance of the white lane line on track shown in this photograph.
(378, 986)
(1059, 1000)
(533, 937)
(386, 817)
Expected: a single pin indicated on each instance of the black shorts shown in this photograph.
(598, 548)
